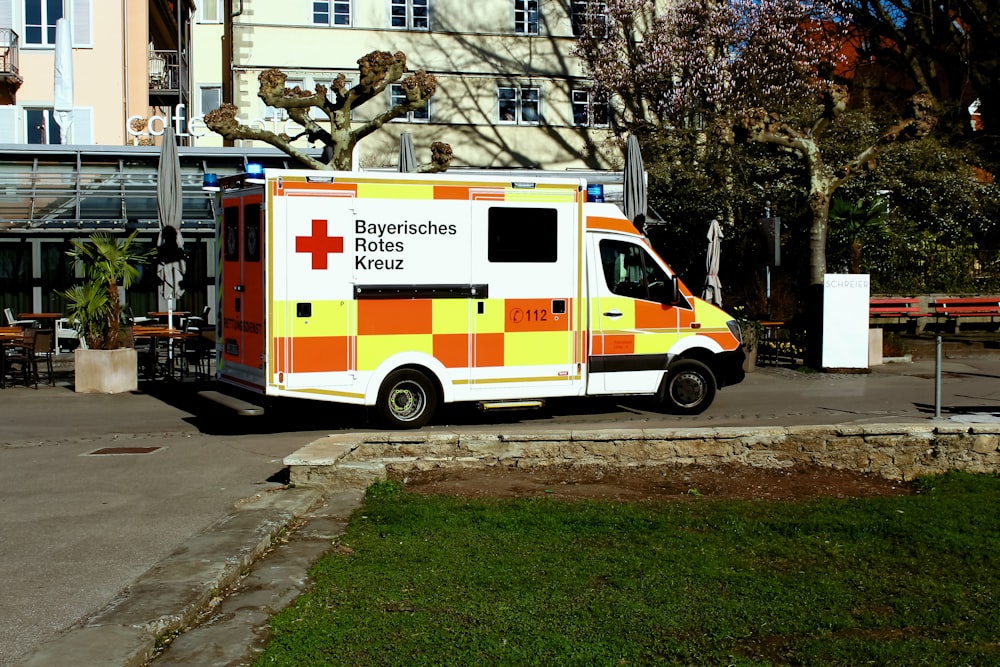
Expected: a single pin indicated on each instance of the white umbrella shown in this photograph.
(635, 184)
(407, 156)
(169, 205)
(713, 287)
(62, 98)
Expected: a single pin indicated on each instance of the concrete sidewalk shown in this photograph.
(127, 517)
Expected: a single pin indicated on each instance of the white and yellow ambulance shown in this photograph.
(406, 291)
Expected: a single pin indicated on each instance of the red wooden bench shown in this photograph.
(954, 308)
(900, 308)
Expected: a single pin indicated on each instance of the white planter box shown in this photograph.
(106, 371)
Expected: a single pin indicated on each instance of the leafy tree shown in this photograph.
(855, 224)
(108, 263)
(945, 48)
(943, 220)
(312, 108)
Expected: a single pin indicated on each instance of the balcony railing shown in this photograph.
(164, 73)
(9, 53)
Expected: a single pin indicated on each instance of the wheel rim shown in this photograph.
(407, 401)
(688, 389)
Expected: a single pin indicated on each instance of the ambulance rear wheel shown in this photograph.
(689, 387)
(407, 399)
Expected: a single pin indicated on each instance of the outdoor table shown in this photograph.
(772, 336)
(155, 334)
(41, 317)
(163, 316)
(47, 320)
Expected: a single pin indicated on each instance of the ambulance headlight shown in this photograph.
(734, 328)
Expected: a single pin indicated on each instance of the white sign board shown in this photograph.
(845, 320)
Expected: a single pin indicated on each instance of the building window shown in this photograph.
(331, 12)
(210, 11)
(41, 127)
(589, 17)
(40, 18)
(410, 14)
(526, 17)
(397, 96)
(587, 112)
(209, 98)
(518, 105)
(351, 81)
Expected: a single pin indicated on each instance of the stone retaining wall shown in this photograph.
(892, 451)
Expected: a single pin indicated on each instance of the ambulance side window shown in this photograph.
(251, 232)
(522, 234)
(231, 233)
(630, 271)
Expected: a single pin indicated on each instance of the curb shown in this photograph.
(176, 591)
(892, 451)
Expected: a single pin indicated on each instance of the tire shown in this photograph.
(407, 399)
(688, 388)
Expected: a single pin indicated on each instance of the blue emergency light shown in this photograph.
(595, 192)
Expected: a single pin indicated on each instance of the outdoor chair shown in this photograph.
(14, 322)
(37, 346)
(145, 352)
(65, 332)
(196, 351)
(199, 321)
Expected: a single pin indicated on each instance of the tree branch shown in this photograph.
(223, 121)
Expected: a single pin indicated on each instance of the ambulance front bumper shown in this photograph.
(729, 367)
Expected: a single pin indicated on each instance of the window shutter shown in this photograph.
(83, 126)
(83, 21)
(7, 15)
(8, 125)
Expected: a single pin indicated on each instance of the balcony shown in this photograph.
(10, 76)
(167, 85)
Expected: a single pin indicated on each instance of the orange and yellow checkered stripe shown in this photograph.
(509, 332)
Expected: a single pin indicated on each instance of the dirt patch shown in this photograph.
(661, 483)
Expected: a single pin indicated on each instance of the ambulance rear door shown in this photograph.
(241, 296)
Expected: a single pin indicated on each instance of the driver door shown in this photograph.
(633, 323)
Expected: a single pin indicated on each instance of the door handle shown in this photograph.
(612, 313)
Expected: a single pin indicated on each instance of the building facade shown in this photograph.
(510, 96)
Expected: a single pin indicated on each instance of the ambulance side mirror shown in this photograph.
(668, 293)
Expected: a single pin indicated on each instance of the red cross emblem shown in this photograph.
(319, 245)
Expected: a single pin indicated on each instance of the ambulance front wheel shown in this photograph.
(407, 399)
(689, 387)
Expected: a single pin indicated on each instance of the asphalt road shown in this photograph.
(95, 490)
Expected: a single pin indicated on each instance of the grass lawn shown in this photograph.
(424, 580)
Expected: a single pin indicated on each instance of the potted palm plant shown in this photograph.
(103, 363)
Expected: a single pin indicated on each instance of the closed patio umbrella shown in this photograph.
(713, 287)
(407, 156)
(62, 100)
(170, 263)
(635, 184)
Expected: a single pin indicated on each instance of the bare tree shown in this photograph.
(325, 115)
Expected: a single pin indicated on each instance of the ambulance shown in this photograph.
(403, 292)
